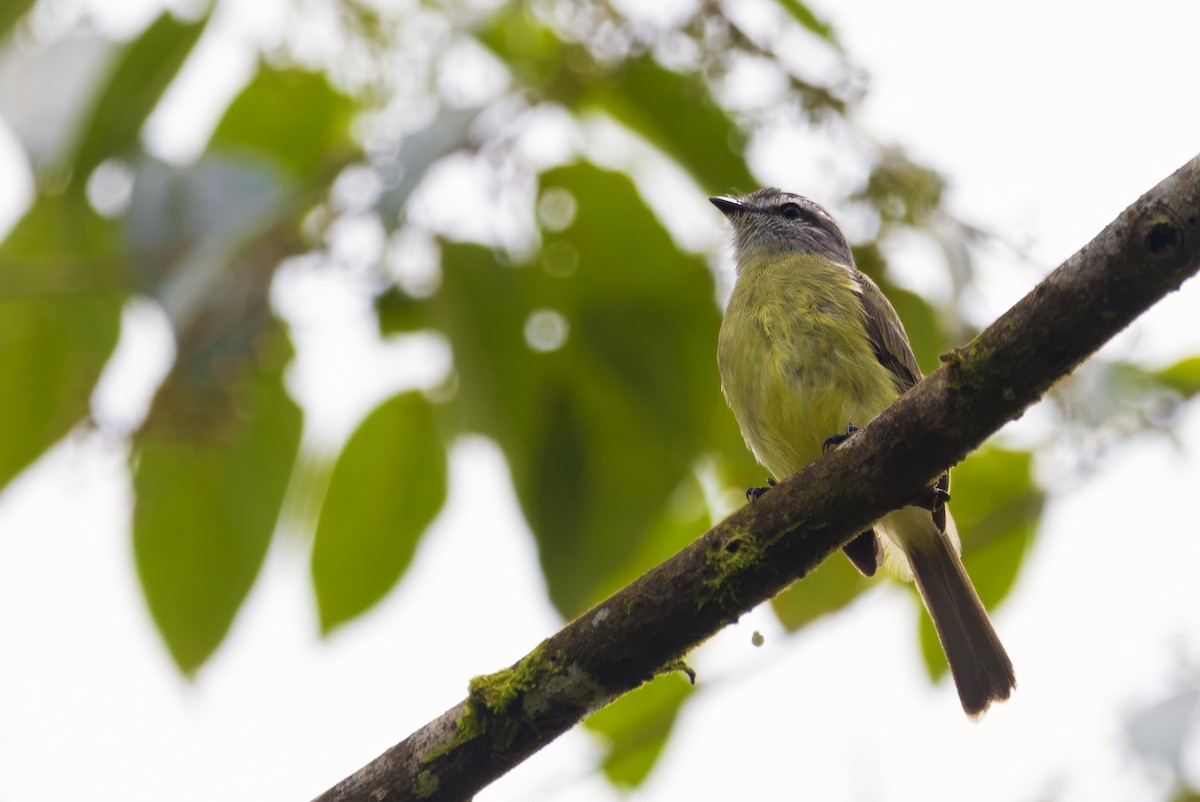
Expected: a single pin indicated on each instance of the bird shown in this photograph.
(810, 348)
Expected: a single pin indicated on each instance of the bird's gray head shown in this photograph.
(770, 222)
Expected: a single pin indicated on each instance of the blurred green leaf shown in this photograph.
(597, 480)
(400, 313)
(144, 71)
(997, 506)
(482, 307)
(805, 16)
(60, 312)
(870, 259)
(52, 352)
(208, 492)
(642, 310)
(10, 12)
(628, 406)
(601, 428)
(1183, 376)
(637, 726)
(217, 448)
(828, 589)
(904, 191)
(292, 118)
(387, 486)
(531, 50)
(674, 111)
(684, 517)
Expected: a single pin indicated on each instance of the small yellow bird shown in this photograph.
(810, 346)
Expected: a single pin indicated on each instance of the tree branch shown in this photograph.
(647, 628)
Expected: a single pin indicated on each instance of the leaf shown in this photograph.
(828, 589)
(682, 519)
(643, 310)
(60, 311)
(208, 492)
(995, 499)
(387, 486)
(1183, 376)
(628, 394)
(293, 119)
(903, 190)
(997, 506)
(805, 16)
(597, 480)
(143, 72)
(400, 313)
(600, 430)
(216, 450)
(482, 307)
(675, 111)
(10, 12)
(534, 53)
(637, 726)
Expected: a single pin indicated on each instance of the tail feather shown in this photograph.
(981, 668)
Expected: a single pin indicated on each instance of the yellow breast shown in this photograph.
(796, 365)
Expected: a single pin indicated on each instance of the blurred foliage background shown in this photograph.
(570, 146)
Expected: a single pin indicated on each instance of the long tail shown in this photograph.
(981, 668)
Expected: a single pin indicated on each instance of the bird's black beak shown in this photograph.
(729, 206)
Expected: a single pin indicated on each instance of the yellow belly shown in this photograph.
(796, 365)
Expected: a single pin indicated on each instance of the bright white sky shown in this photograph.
(1049, 117)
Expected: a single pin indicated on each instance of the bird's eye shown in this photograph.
(790, 210)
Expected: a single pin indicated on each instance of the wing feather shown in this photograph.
(886, 334)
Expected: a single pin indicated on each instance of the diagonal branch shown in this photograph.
(646, 628)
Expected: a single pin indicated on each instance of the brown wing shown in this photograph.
(887, 336)
(890, 343)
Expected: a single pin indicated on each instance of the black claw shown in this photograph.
(838, 439)
(932, 499)
(755, 493)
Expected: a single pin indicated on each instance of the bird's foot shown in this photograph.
(755, 493)
(931, 498)
(837, 439)
(934, 499)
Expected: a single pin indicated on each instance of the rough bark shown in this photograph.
(647, 628)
